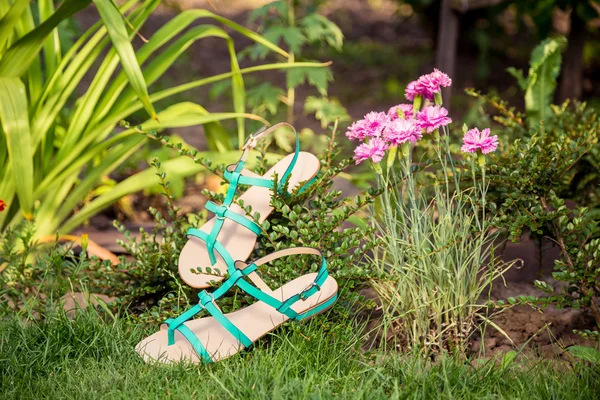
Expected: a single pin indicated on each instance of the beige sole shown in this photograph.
(254, 321)
(236, 239)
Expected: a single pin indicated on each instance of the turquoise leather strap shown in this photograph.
(284, 307)
(246, 177)
(223, 211)
(216, 246)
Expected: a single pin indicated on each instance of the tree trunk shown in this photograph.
(446, 44)
(572, 71)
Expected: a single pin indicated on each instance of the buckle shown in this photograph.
(307, 288)
(202, 296)
(222, 206)
(250, 143)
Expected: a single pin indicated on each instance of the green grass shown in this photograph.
(94, 358)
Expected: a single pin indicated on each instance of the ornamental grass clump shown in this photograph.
(436, 258)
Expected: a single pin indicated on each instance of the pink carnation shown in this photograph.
(428, 85)
(407, 109)
(374, 150)
(412, 91)
(474, 140)
(432, 118)
(371, 125)
(402, 130)
(435, 80)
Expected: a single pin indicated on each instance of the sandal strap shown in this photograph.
(212, 246)
(284, 307)
(222, 211)
(191, 337)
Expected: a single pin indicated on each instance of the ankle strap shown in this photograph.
(263, 295)
(235, 173)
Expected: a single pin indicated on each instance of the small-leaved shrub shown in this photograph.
(544, 181)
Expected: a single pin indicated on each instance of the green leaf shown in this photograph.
(544, 68)
(117, 31)
(52, 52)
(290, 35)
(508, 359)
(326, 110)
(27, 48)
(265, 97)
(280, 7)
(585, 353)
(317, 27)
(8, 21)
(318, 77)
(15, 124)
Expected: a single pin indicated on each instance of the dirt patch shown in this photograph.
(540, 333)
(544, 333)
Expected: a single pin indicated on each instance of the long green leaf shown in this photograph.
(52, 52)
(27, 48)
(192, 15)
(178, 115)
(8, 21)
(63, 87)
(118, 32)
(109, 121)
(15, 124)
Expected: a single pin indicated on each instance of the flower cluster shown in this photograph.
(406, 123)
(428, 85)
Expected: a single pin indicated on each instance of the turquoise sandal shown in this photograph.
(231, 235)
(218, 336)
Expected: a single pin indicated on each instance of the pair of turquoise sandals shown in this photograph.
(224, 243)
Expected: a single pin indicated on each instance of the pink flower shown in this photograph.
(412, 91)
(474, 140)
(428, 85)
(435, 80)
(374, 150)
(370, 126)
(432, 118)
(407, 109)
(402, 130)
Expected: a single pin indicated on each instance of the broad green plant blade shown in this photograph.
(115, 24)
(9, 20)
(27, 48)
(52, 52)
(15, 124)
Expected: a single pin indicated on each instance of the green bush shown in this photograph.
(548, 159)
